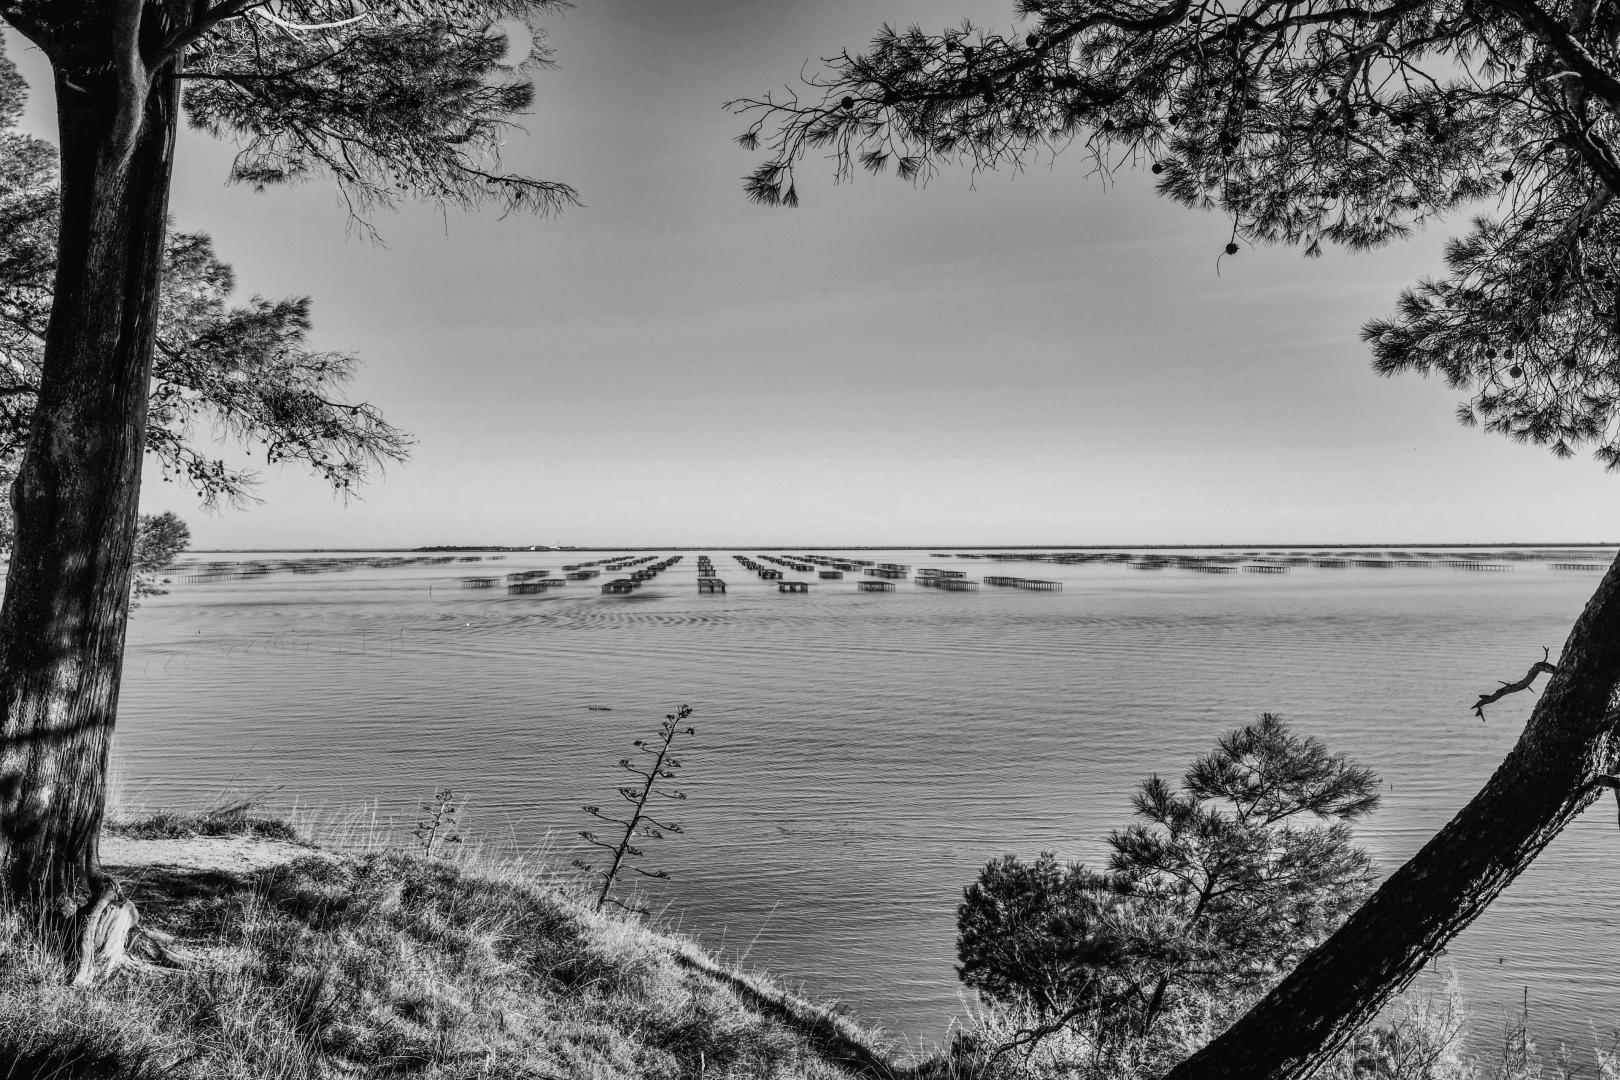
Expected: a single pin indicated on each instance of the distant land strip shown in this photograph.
(538, 548)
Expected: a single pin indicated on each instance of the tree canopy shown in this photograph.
(239, 370)
(389, 99)
(1302, 122)
(392, 99)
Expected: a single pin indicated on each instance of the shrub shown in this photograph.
(1039, 935)
(1220, 886)
(158, 539)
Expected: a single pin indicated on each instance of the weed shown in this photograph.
(640, 822)
(440, 823)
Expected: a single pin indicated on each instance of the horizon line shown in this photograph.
(918, 547)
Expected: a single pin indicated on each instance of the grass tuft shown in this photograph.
(167, 826)
(232, 818)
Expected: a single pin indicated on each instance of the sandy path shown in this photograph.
(235, 854)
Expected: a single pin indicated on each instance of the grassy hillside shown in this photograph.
(383, 963)
(388, 964)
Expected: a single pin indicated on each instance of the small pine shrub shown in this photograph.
(1220, 886)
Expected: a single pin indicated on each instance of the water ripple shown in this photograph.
(860, 755)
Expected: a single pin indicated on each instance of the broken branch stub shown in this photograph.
(1514, 687)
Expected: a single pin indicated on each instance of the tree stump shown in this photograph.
(110, 937)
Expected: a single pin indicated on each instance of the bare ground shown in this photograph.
(226, 854)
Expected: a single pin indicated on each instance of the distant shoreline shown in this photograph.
(1382, 545)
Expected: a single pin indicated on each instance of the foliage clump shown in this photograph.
(1301, 122)
(241, 369)
(386, 100)
(1217, 889)
(158, 539)
(229, 817)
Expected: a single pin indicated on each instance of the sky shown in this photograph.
(1033, 359)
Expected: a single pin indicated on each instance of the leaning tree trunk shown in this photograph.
(75, 498)
(1564, 759)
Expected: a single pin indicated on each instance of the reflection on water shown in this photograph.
(859, 755)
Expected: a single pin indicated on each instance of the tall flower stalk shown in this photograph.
(640, 823)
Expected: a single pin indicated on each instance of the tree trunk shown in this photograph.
(76, 496)
(1551, 775)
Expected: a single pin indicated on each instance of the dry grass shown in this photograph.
(1423, 1035)
(229, 821)
(234, 814)
(377, 962)
(386, 964)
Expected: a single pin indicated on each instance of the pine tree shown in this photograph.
(1311, 122)
(387, 99)
(1221, 884)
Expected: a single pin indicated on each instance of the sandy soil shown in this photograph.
(234, 854)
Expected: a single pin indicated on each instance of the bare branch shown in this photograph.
(1030, 1036)
(1514, 687)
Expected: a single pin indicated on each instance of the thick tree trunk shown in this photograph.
(1551, 775)
(75, 499)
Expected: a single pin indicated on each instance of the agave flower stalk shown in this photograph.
(640, 823)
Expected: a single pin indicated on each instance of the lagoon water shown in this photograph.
(859, 756)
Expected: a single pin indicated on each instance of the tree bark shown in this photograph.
(1550, 776)
(76, 496)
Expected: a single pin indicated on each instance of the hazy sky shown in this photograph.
(1009, 360)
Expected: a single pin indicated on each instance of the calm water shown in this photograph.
(860, 756)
